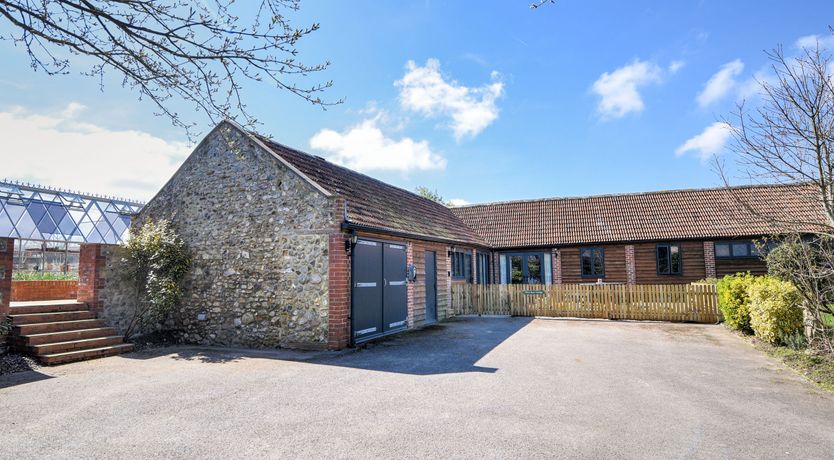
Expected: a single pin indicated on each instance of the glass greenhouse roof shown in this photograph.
(39, 213)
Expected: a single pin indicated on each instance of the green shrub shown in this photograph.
(43, 276)
(775, 311)
(734, 300)
(157, 262)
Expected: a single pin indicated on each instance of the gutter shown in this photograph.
(348, 226)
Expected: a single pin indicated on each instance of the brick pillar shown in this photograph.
(6, 265)
(338, 293)
(709, 258)
(91, 276)
(631, 269)
(557, 266)
(338, 274)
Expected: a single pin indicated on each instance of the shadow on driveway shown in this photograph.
(450, 347)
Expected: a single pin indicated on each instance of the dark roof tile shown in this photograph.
(652, 216)
(375, 204)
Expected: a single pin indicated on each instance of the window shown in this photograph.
(483, 268)
(669, 259)
(462, 266)
(739, 249)
(592, 261)
(467, 267)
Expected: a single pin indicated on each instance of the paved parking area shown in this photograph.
(468, 388)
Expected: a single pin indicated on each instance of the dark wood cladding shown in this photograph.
(615, 265)
(645, 263)
(753, 265)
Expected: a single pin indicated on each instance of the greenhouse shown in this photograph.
(50, 224)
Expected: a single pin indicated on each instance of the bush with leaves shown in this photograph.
(157, 261)
(775, 311)
(734, 300)
(808, 263)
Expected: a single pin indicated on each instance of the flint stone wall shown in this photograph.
(258, 237)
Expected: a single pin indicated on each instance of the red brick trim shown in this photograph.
(6, 266)
(91, 276)
(557, 266)
(631, 268)
(338, 293)
(26, 291)
(709, 259)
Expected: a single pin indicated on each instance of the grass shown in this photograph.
(43, 276)
(817, 368)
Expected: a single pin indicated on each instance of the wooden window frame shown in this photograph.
(750, 247)
(601, 250)
(669, 246)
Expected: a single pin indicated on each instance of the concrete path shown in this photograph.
(485, 388)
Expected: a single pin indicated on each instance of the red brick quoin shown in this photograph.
(6, 265)
(91, 276)
(339, 293)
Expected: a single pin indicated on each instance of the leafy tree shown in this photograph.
(157, 261)
(788, 138)
(198, 51)
(430, 194)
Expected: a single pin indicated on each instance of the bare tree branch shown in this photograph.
(787, 138)
(199, 52)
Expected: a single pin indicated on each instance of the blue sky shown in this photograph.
(483, 101)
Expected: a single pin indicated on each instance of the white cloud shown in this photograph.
(720, 83)
(58, 150)
(458, 202)
(709, 143)
(618, 90)
(675, 66)
(811, 41)
(365, 147)
(425, 91)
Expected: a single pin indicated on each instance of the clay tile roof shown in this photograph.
(376, 205)
(652, 216)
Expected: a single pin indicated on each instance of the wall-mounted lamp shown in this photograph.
(350, 242)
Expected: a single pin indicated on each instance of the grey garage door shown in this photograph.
(380, 304)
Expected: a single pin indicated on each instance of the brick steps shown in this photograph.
(25, 308)
(58, 332)
(41, 328)
(51, 317)
(67, 336)
(83, 355)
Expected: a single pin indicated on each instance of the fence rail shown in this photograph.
(660, 302)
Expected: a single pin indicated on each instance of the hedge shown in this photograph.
(734, 300)
(775, 310)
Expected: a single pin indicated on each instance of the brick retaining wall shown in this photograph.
(24, 291)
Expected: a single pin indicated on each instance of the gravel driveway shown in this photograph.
(491, 387)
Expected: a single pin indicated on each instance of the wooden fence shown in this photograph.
(660, 302)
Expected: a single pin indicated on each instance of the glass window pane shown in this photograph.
(599, 270)
(675, 259)
(741, 250)
(467, 267)
(722, 250)
(534, 269)
(587, 264)
(502, 267)
(548, 269)
(663, 260)
(516, 274)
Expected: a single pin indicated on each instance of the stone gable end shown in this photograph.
(258, 235)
